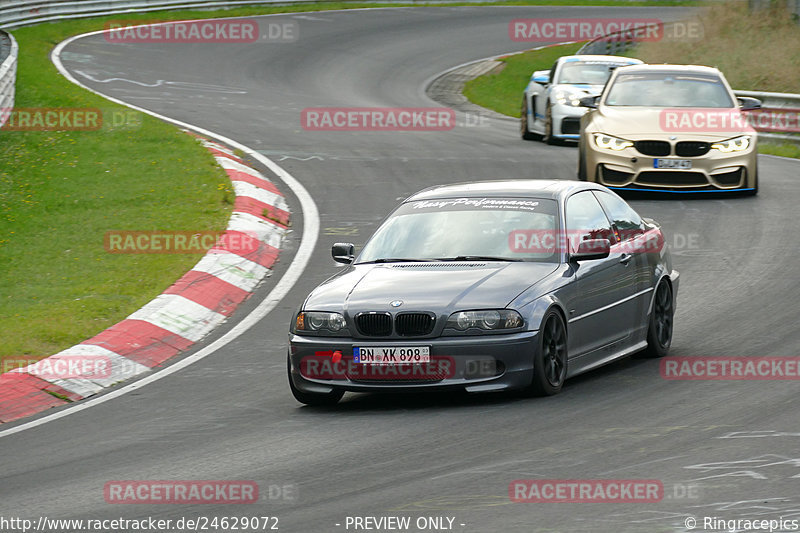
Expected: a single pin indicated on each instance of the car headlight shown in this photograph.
(608, 142)
(737, 144)
(568, 98)
(320, 323)
(488, 320)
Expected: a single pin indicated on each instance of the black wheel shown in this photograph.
(550, 363)
(659, 332)
(311, 398)
(523, 123)
(548, 126)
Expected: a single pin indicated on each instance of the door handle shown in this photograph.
(625, 258)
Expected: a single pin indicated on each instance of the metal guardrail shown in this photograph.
(8, 74)
(779, 109)
(25, 12)
(15, 13)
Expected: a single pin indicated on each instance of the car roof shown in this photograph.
(525, 188)
(666, 67)
(598, 57)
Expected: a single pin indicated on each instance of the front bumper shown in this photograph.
(629, 169)
(567, 121)
(472, 363)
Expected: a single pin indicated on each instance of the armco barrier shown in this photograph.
(24, 12)
(8, 73)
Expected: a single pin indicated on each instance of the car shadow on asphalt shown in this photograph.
(632, 194)
(581, 388)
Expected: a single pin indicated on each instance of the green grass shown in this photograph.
(757, 50)
(502, 91)
(784, 150)
(60, 192)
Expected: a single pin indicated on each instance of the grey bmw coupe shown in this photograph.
(487, 286)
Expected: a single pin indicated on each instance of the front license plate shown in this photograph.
(391, 355)
(672, 163)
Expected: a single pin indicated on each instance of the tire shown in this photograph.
(659, 331)
(548, 126)
(311, 398)
(550, 362)
(523, 123)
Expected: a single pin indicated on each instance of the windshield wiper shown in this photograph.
(397, 260)
(478, 258)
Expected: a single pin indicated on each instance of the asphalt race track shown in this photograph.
(729, 449)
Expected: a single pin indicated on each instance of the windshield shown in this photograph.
(464, 228)
(668, 89)
(586, 72)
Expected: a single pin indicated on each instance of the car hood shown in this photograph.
(583, 89)
(438, 287)
(637, 123)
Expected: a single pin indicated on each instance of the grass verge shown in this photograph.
(502, 91)
(783, 150)
(61, 191)
(757, 50)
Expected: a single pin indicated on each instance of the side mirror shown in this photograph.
(592, 249)
(344, 252)
(541, 77)
(746, 103)
(589, 101)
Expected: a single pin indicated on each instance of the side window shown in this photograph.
(586, 220)
(553, 73)
(627, 221)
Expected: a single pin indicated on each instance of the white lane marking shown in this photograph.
(172, 84)
(88, 76)
(306, 17)
(281, 289)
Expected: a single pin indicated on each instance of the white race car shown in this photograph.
(550, 104)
